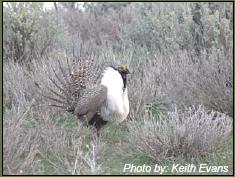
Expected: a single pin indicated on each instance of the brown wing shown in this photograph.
(91, 100)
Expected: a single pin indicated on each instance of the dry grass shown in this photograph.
(190, 135)
(38, 144)
(187, 83)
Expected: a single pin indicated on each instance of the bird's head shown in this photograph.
(122, 69)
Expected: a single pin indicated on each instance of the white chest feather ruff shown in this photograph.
(116, 108)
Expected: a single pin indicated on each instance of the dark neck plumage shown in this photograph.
(124, 80)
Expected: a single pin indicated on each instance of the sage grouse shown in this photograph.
(75, 90)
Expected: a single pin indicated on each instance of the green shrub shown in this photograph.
(28, 31)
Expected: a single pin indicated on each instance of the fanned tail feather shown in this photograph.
(67, 84)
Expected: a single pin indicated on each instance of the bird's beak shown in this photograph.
(127, 71)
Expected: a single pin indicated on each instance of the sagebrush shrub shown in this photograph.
(191, 134)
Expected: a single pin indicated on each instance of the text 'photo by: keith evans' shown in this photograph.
(117, 88)
(175, 168)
